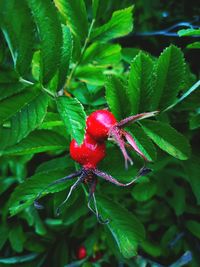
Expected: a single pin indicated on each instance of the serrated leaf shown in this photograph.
(25, 193)
(144, 191)
(189, 32)
(18, 29)
(116, 96)
(167, 138)
(127, 231)
(66, 53)
(120, 24)
(37, 142)
(73, 115)
(138, 90)
(25, 120)
(143, 142)
(50, 33)
(75, 14)
(102, 54)
(169, 74)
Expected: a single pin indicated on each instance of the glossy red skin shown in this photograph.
(89, 153)
(81, 253)
(99, 123)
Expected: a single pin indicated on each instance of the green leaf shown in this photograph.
(193, 227)
(127, 231)
(138, 90)
(75, 14)
(9, 89)
(19, 259)
(116, 96)
(195, 45)
(102, 54)
(25, 193)
(90, 74)
(169, 74)
(24, 120)
(37, 142)
(120, 24)
(66, 54)
(195, 121)
(3, 237)
(95, 5)
(191, 168)
(189, 32)
(167, 138)
(10, 106)
(50, 33)
(143, 142)
(73, 116)
(55, 164)
(144, 191)
(17, 238)
(18, 29)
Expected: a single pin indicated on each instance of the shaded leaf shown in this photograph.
(144, 191)
(189, 32)
(17, 238)
(90, 74)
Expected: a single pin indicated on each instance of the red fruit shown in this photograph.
(81, 253)
(97, 256)
(89, 153)
(99, 123)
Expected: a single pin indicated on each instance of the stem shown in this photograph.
(43, 88)
(81, 55)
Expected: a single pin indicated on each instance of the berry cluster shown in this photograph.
(100, 126)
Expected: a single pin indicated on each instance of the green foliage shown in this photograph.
(59, 61)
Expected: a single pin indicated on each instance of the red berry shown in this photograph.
(89, 153)
(99, 123)
(81, 253)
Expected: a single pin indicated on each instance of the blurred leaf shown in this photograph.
(35, 65)
(195, 121)
(152, 249)
(102, 54)
(18, 29)
(127, 231)
(50, 34)
(74, 12)
(167, 138)
(37, 142)
(66, 53)
(17, 238)
(139, 91)
(169, 73)
(195, 45)
(129, 53)
(25, 193)
(120, 24)
(95, 5)
(19, 259)
(73, 116)
(51, 120)
(27, 114)
(144, 191)
(189, 32)
(4, 230)
(55, 164)
(193, 227)
(116, 96)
